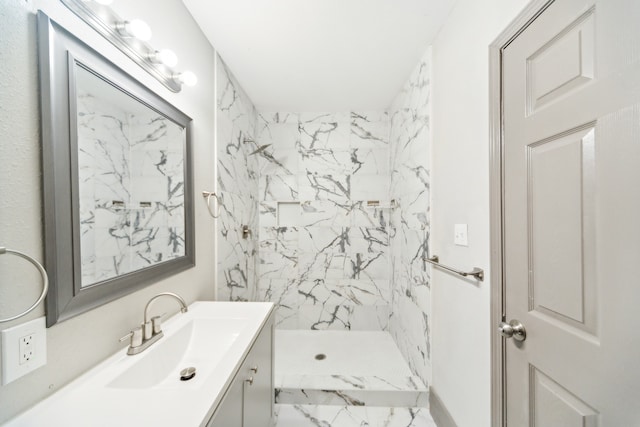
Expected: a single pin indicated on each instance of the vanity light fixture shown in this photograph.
(135, 28)
(130, 36)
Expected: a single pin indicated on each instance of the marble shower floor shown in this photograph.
(353, 353)
(363, 368)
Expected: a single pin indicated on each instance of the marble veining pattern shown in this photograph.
(336, 251)
(360, 368)
(339, 206)
(238, 186)
(362, 397)
(131, 188)
(370, 390)
(409, 323)
(350, 382)
(350, 416)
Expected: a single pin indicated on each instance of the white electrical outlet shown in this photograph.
(460, 235)
(24, 349)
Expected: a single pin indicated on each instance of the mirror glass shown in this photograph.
(131, 182)
(117, 179)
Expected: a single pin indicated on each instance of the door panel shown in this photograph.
(560, 230)
(563, 64)
(571, 198)
(553, 405)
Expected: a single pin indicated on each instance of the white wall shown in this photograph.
(460, 194)
(79, 343)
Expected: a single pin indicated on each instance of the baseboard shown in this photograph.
(439, 412)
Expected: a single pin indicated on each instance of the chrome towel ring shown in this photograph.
(45, 281)
(208, 195)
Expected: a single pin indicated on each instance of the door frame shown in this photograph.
(497, 291)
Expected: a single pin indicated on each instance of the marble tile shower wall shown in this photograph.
(238, 188)
(320, 250)
(410, 142)
(323, 245)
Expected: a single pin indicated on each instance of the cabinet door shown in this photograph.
(249, 400)
(259, 393)
(229, 413)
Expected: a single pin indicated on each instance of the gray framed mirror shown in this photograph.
(117, 178)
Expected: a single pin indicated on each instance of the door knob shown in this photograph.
(513, 329)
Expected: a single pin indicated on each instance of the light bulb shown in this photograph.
(139, 29)
(167, 57)
(187, 78)
(135, 28)
(164, 56)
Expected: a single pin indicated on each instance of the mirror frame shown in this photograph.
(59, 53)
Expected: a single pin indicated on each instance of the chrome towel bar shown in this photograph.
(478, 273)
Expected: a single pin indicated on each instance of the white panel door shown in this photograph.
(571, 199)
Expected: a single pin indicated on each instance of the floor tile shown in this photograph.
(351, 416)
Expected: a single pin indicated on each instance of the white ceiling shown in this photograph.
(320, 55)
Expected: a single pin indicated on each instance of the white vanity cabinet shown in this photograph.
(248, 402)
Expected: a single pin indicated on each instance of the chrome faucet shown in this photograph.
(150, 331)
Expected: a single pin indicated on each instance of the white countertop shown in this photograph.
(91, 400)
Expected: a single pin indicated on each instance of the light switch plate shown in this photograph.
(460, 235)
(24, 349)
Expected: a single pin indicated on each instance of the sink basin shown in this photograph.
(200, 344)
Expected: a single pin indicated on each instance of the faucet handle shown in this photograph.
(152, 327)
(148, 331)
(156, 322)
(136, 337)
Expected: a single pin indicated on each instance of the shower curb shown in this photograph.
(351, 391)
